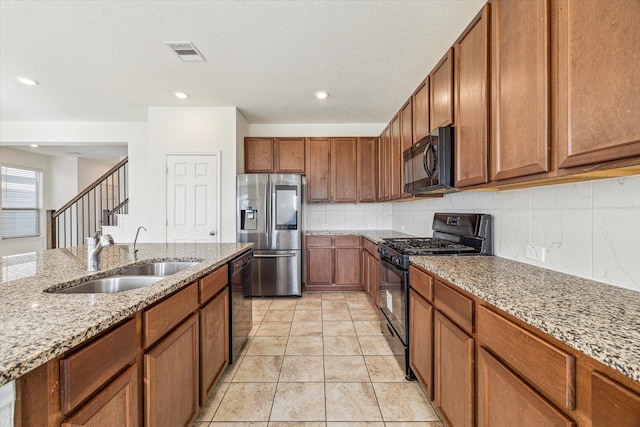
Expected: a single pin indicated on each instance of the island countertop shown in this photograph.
(36, 326)
(600, 320)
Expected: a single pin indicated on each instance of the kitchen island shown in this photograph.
(37, 326)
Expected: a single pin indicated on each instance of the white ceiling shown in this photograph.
(104, 153)
(105, 61)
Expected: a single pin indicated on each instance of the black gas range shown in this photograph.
(457, 234)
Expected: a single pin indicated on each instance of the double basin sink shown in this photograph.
(134, 277)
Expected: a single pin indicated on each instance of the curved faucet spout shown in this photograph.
(134, 255)
(93, 260)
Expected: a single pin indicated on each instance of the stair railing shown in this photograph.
(92, 208)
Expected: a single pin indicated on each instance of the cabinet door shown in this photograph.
(406, 140)
(395, 167)
(375, 278)
(258, 155)
(289, 155)
(366, 279)
(421, 111)
(421, 339)
(612, 404)
(453, 372)
(386, 147)
(505, 400)
(347, 267)
(344, 171)
(319, 267)
(367, 169)
(116, 405)
(171, 378)
(318, 170)
(214, 342)
(598, 97)
(472, 103)
(382, 155)
(441, 93)
(520, 88)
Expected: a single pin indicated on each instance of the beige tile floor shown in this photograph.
(319, 360)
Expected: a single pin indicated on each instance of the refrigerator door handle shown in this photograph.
(287, 255)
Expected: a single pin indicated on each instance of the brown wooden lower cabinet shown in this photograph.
(453, 372)
(613, 404)
(370, 270)
(116, 405)
(333, 263)
(214, 342)
(505, 400)
(421, 339)
(171, 378)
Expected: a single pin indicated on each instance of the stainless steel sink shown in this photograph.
(165, 268)
(111, 284)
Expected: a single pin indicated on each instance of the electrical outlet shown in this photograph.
(535, 253)
(372, 226)
(325, 226)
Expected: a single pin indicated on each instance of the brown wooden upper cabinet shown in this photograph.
(382, 156)
(386, 147)
(420, 104)
(368, 169)
(406, 140)
(441, 92)
(344, 175)
(279, 155)
(471, 91)
(318, 170)
(395, 170)
(258, 155)
(520, 88)
(598, 95)
(332, 173)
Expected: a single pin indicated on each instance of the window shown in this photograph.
(21, 202)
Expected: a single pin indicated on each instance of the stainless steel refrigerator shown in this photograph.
(269, 215)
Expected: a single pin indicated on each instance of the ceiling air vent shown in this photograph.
(186, 51)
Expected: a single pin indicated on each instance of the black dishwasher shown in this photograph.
(240, 313)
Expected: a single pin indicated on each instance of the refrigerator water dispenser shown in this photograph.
(249, 219)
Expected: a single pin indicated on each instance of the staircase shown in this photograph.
(98, 205)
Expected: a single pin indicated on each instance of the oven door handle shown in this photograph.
(394, 267)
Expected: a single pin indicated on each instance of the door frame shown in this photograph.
(216, 155)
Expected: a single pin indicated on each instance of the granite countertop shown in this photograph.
(37, 326)
(374, 235)
(600, 320)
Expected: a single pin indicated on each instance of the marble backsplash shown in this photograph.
(589, 229)
(343, 216)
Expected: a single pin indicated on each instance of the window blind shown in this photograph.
(20, 202)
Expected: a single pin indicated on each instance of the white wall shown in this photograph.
(90, 170)
(326, 129)
(26, 159)
(589, 229)
(64, 180)
(242, 130)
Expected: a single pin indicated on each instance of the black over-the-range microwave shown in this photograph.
(428, 164)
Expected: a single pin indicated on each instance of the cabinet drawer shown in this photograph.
(612, 403)
(421, 282)
(162, 317)
(346, 241)
(319, 241)
(546, 367)
(212, 283)
(456, 306)
(370, 247)
(79, 377)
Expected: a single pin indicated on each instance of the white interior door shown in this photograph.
(193, 189)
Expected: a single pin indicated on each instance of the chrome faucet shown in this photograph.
(95, 245)
(134, 254)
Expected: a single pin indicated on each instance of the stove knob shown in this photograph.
(382, 251)
(396, 260)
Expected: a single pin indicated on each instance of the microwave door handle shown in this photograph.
(430, 167)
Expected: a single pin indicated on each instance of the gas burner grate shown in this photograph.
(417, 246)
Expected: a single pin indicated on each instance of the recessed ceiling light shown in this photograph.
(321, 94)
(27, 81)
(33, 145)
(181, 95)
